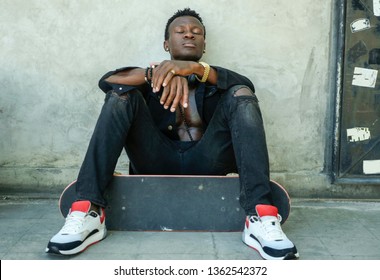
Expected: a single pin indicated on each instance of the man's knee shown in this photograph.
(243, 99)
(242, 91)
(238, 93)
(130, 96)
(124, 96)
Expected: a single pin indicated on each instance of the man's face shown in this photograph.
(186, 39)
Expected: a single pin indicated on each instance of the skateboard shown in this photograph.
(175, 203)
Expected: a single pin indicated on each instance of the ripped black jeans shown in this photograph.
(234, 141)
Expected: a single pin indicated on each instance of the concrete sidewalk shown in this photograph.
(321, 230)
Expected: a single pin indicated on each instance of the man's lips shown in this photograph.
(189, 45)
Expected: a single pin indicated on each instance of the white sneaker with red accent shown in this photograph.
(263, 233)
(83, 227)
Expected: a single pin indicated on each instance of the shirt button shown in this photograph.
(120, 88)
(170, 127)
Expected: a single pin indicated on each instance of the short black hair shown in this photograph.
(182, 13)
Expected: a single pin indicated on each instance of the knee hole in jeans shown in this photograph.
(243, 91)
(123, 96)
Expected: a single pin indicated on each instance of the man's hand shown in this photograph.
(170, 74)
(175, 92)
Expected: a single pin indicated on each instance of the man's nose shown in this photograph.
(189, 35)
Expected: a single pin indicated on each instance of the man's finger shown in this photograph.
(172, 91)
(164, 96)
(169, 75)
(185, 95)
(158, 78)
(177, 98)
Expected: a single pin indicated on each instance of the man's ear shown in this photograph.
(166, 46)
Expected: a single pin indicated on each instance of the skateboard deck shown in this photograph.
(175, 203)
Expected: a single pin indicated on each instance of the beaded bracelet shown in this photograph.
(151, 73)
(146, 76)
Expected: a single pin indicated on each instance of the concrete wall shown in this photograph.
(53, 52)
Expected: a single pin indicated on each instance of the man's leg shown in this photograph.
(104, 149)
(84, 226)
(249, 142)
(237, 123)
(124, 122)
(235, 142)
(262, 229)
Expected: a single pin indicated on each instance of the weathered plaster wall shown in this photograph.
(53, 52)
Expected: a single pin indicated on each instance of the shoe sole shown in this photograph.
(82, 247)
(252, 243)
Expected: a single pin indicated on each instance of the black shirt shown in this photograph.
(206, 97)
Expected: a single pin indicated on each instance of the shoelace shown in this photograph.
(271, 227)
(73, 223)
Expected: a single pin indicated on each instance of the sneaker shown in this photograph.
(82, 228)
(263, 233)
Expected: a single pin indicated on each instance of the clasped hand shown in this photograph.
(171, 75)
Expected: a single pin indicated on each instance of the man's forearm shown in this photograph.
(136, 76)
(132, 77)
